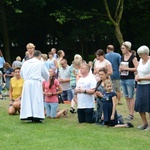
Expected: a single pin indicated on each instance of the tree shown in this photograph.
(116, 19)
(5, 31)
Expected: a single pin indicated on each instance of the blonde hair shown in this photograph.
(18, 58)
(44, 56)
(76, 62)
(107, 82)
(78, 57)
(30, 45)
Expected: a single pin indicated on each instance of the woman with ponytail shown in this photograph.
(51, 90)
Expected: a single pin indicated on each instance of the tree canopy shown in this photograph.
(75, 26)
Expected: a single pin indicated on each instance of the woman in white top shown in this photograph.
(142, 103)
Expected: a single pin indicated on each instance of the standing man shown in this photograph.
(32, 71)
(64, 79)
(115, 59)
(30, 49)
(85, 89)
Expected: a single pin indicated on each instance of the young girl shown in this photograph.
(109, 114)
(51, 89)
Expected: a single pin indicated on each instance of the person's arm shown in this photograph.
(109, 69)
(56, 64)
(59, 91)
(114, 108)
(10, 91)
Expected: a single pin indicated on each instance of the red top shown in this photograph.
(53, 89)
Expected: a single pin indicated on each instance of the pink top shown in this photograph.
(54, 98)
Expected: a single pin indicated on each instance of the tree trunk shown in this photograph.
(118, 34)
(5, 33)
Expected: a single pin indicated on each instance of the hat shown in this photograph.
(143, 50)
(127, 44)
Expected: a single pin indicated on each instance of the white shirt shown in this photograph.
(86, 100)
(143, 70)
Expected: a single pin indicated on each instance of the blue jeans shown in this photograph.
(128, 86)
(51, 109)
(67, 95)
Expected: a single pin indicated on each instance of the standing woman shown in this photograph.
(142, 103)
(9, 73)
(2, 61)
(60, 55)
(128, 66)
(101, 62)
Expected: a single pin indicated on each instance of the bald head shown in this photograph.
(110, 48)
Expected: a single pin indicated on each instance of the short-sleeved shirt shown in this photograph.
(17, 85)
(64, 74)
(102, 64)
(86, 100)
(115, 59)
(54, 98)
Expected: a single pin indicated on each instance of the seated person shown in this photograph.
(109, 114)
(51, 90)
(15, 91)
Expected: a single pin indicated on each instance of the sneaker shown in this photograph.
(143, 127)
(72, 110)
(129, 125)
(129, 118)
(147, 129)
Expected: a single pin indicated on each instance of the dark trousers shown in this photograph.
(86, 115)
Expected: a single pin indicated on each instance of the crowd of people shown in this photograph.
(93, 88)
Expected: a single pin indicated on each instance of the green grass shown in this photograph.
(68, 134)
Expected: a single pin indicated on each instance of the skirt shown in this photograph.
(142, 102)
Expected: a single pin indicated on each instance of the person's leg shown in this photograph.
(69, 95)
(17, 104)
(47, 109)
(89, 115)
(117, 88)
(54, 107)
(126, 92)
(81, 115)
(62, 113)
(99, 111)
(131, 101)
(11, 110)
(64, 95)
(144, 119)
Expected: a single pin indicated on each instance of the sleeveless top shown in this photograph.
(127, 74)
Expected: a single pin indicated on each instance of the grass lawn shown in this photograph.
(68, 134)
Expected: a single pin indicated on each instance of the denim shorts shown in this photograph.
(128, 86)
(67, 95)
(51, 109)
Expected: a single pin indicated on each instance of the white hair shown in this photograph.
(143, 50)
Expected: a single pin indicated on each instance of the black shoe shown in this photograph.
(37, 121)
(129, 125)
(72, 110)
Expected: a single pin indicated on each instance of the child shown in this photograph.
(51, 89)
(74, 75)
(109, 114)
